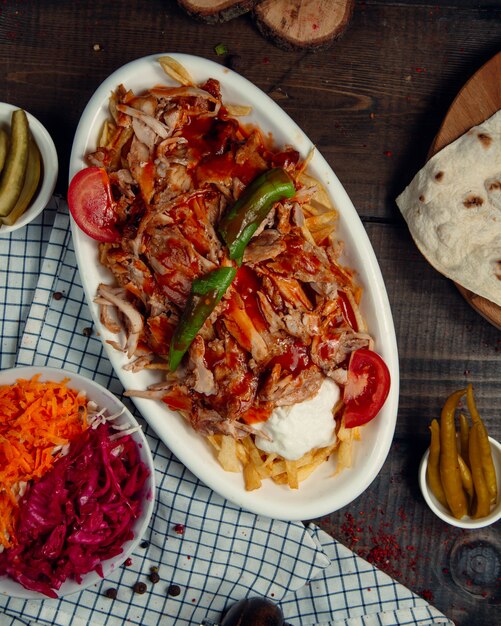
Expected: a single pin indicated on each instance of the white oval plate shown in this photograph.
(104, 399)
(322, 493)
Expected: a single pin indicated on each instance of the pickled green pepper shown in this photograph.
(256, 201)
(206, 292)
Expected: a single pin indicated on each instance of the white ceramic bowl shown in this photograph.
(104, 399)
(50, 168)
(443, 513)
(322, 492)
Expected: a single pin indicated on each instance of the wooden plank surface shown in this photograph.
(372, 103)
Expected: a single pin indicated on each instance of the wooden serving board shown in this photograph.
(478, 100)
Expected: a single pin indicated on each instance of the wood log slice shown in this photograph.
(303, 24)
(215, 11)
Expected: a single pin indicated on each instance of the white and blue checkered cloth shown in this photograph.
(225, 553)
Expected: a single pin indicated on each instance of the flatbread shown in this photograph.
(453, 210)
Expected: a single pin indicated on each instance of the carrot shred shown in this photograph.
(36, 420)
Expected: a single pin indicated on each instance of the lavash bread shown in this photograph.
(453, 210)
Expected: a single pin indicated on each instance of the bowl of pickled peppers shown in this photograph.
(460, 472)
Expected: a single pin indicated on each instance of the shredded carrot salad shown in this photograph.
(36, 420)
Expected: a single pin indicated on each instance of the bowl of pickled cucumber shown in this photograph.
(28, 168)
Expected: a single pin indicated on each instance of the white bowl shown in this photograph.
(466, 521)
(50, 168)
(322, 492)
(104, 399)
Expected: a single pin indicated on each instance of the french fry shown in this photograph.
(227, 454)
(251, 477)
(215, 441)
(344, 456)
(345, 450)
(292, 477)
(322, 234)
(320, 221)
(175, 70)
(320, 197)
(242, 453)
(106, 133)
(255, 457)
(238, 110)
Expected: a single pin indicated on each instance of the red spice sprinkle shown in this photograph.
(388, 548)
(128, 562)
(385, 553)
(266, 60)
(315, 26)
(388, 153)
(349, 529)
(427, 595)
(179, 529)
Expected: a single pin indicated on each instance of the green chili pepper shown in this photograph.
(206, 292)
(450, 474)
(433, 469)
(256, 201)
(482, 504)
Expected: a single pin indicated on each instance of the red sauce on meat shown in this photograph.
(295, 358)
(247, 283)
(257, 414)
(347, 310)
(213, 142)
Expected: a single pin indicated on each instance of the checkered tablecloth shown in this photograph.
(224, 553)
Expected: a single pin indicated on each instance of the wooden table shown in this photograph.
(372, 103)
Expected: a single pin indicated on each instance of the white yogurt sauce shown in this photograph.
(297, 429)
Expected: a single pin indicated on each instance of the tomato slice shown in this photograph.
(366, 389)
(91, 204)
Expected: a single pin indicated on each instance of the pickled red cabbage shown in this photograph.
(79, 514)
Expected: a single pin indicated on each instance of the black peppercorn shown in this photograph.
(174, 590)
(154, 577)
(111, 593)
(139, 587)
